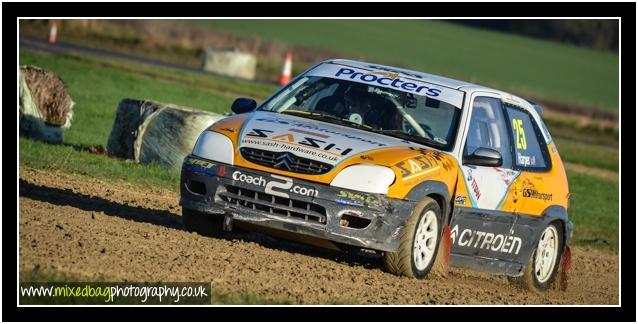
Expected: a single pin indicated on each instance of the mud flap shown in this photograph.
(565, 264)
(442, 262)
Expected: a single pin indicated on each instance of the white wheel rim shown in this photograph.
(546, 253)
(425, 240)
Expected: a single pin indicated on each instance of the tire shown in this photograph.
(202, 223)
(540, 273)
(419, 242)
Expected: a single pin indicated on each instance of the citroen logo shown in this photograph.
(283, 161)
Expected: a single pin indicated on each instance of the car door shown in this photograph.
(480, 224)
(487, 186)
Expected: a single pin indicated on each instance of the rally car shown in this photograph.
(390, 160)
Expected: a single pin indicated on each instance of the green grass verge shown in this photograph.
(594, 211)
(98, 85)
(590, 155)
(515, 63)
(76, 160)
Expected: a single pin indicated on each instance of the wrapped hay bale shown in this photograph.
(148, 131)
(45, 105)
(230, 62)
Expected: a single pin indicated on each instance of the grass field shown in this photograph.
(520, 64)
(98, 85)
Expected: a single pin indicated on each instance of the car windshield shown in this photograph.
(378, 109)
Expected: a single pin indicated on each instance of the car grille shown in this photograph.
(284, 161)
(254, 200)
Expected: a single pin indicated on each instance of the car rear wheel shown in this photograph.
(202, 223)
(543, 265)
(419, 242)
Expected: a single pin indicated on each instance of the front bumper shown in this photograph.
(350, 217)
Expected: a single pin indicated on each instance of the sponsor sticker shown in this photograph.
(201, 166)
(473, 184)
(486, 240)
(390, 79)
(348, 201)
(280, 187)
(415, 167)
(299, 125)
(532, 193)
(356, 199)
(460, 200)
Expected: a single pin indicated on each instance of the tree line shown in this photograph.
(599, 34)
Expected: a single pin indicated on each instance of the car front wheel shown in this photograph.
(419, 242)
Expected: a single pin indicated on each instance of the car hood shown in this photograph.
(314, 140)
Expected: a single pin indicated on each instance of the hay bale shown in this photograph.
(49, 95)
(148, 131)
(45, 107)
(130, 115)
(230, 62)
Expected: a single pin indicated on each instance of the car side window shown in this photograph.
(488, 129)
(529, 154)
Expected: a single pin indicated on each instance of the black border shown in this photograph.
(501, 314)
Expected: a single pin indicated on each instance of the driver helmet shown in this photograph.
(358, 100)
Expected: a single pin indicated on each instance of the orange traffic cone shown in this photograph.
(287, 71)
(53, 32)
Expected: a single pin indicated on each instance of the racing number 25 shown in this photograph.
(517, 125)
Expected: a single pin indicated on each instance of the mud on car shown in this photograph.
(391, 160)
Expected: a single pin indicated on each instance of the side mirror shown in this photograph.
(483, 156)
(243, 105)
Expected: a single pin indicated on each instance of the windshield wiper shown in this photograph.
(324, 117)
(402, 135)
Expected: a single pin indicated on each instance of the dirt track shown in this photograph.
(119, 232)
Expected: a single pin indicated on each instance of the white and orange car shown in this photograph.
(384, 158)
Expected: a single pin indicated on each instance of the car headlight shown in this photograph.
(366, 178)
(215, 147)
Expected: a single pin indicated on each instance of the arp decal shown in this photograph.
(486, 241)
(279, 187)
